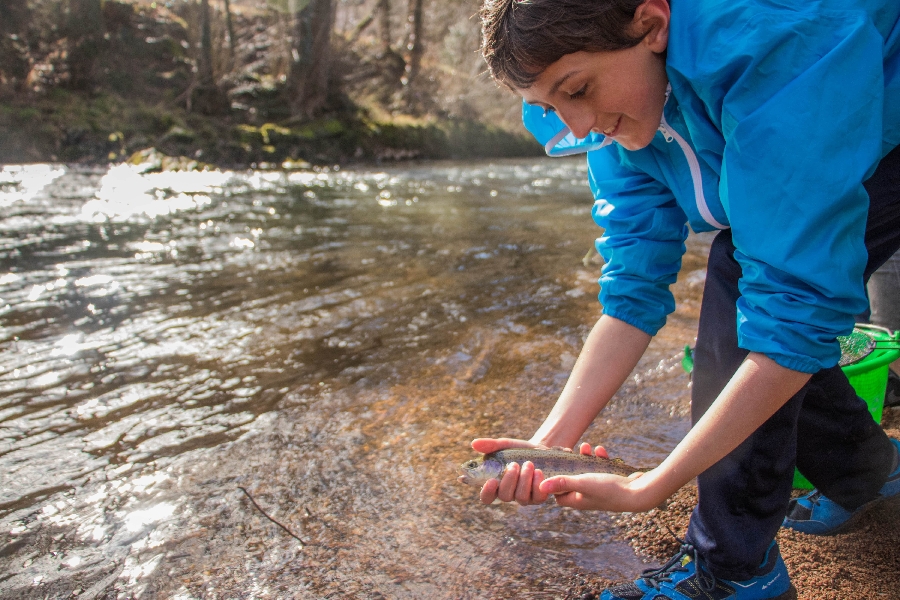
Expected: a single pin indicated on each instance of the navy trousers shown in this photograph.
(825, 429)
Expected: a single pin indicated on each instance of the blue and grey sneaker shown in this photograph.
(817, 515)
(685, 578)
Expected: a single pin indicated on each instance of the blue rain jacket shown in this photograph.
(777, 112)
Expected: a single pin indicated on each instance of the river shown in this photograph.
(325, 342)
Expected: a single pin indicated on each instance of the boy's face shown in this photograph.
(619, 94)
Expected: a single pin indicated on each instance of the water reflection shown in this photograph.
(21, 183)
(329, 341)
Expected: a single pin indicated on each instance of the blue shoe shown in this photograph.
(817, 515)
(684, 578)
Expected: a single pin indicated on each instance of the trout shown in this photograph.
(551, 463)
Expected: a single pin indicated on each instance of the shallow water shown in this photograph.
(328, 341)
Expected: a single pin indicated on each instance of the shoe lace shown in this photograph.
(655, 577)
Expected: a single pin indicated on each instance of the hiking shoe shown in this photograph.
(685, 578)
(892, 393)
(817, 515)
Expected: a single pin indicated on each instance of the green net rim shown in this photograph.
(879, 356)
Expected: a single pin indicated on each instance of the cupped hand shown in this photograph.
(603, 491)
(520, 483)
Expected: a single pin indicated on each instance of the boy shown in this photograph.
(776, 125)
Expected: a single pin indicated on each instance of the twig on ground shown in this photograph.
(259, 508)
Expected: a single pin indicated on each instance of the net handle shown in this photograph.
(869, 327)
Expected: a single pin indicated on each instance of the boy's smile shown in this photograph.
(619, 94)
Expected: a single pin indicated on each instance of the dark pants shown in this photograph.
(825, 429)
(884, 294)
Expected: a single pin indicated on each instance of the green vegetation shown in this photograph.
(136, 86)
(108, 128)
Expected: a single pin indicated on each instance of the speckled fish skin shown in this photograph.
(479, 470)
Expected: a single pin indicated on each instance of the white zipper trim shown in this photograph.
(669, 133)
(551, 150)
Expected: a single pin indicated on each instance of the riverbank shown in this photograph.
(71, 128)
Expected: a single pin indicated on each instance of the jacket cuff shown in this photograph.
(629, 319)
(803, 364)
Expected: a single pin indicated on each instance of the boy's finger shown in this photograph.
(507, 489)
(488, 445)
(569, 500)
(523, 487)
(556, 485)
(600, 451)
(489, 491)
(537, 496)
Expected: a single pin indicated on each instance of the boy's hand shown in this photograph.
(602, 491)
(520, 483)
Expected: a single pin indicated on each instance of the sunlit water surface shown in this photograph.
(329, 341)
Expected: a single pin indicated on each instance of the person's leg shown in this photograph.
(841, 465)
(859, 463)
(840, 448)
(883, 224)
(884, 304)
(884, 294)
(716, 353)
(884, 286)
(743, 497)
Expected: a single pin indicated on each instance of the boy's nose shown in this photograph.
(579, 123)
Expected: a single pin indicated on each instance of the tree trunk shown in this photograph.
(414, 48)
(384, 25)
(307, 86)
(205, 62)
(382, 11)
(85, 37)
(206, 97)
(229, 27)
(15, 63)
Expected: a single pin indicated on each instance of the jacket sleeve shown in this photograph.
(803, 130)
(642, 242)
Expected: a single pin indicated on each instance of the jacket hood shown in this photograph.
(552, 133)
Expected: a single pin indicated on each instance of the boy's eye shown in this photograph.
(549, 109)
(578, 94)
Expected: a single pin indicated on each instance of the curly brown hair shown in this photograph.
(521, 38)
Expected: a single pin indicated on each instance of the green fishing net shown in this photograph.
(855, 347)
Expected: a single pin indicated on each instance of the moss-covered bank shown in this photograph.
(67, 127)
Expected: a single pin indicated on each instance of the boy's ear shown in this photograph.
(651, 19)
